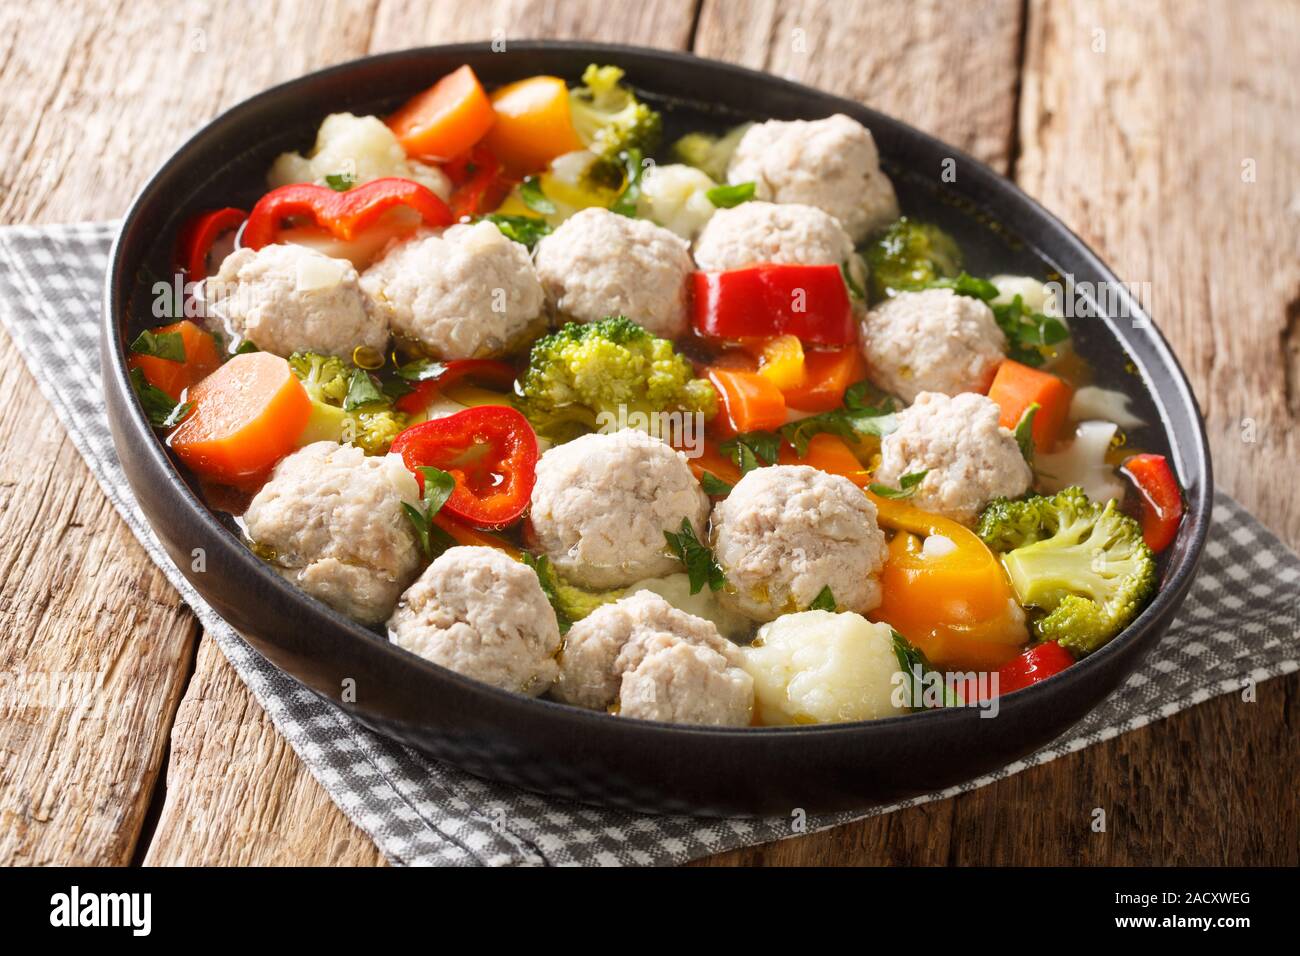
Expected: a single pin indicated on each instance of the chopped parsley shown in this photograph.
(525, 230)
(340, 182)
(530, 191)
(1025, 432)
(160, 408)
(752, 450)
(163, 345)
(701, 566)
(824, 601)
(907, 486)
(715, 486)
(438, 486)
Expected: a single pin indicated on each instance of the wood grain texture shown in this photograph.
(236, 792)
(947, 68)
(1096, 142)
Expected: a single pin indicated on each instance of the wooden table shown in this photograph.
(1166, 133)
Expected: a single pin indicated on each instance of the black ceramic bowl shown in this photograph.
(561, 750)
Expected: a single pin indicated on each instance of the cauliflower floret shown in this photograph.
(357, 149)
(820, 667)
(616, 641)
(598, 264)
(756, 232)
(788, 531)
(829, 163)
(467, 293)
(331, 521)
(969, 458)
(1034, 294)
(676, 197)
(287, 298)
(932, 341)
(602, 503)
(1082, 462)
(479, 612)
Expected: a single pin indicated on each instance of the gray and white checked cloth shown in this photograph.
(1241, 622)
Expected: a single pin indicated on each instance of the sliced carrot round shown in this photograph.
(201, 359)
(247, 415)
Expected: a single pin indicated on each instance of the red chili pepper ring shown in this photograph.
(490, 451)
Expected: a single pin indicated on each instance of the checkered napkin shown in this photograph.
(1240, 623)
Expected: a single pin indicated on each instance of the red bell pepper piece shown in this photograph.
(488, 371)
(1162, 501)
(811, 302)
(343, 214)
(490, 451)
(479, 183)
(199, 234)
(1036, 664)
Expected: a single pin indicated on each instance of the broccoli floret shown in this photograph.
(325, 377)
(608, 117)
(571, 603)
(328, 381)
(707, 152)
(581, 371)
(1082, 564)
(910, 255)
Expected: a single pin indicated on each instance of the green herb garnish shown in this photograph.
(163, 345)
(715, 486)
(530, 191)
(701, 566)
(340, 182)
(824, 601)
(752, 450)
(362, 391)
(625, 204)
(525, 230)
(729, 196)
(907, 486)
(158, 406)
(438, 486)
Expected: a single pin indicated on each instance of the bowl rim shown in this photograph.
(1192, 448)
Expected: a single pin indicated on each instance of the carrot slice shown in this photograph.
(750, 402)
(446, 119)
(472, 537)
(173, 377)
(1016, 387)
(827, 375)
(247, 415)
(533, 124)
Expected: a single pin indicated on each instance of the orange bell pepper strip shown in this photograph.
(828, 453)
(173, 377)
(958, 608)
(446, 119)
(533, 124)
(1015, 387)
(827, 375)
(750, 402)
(247, 415)
(782, 362)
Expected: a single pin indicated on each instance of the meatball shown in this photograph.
(480, 613)
(331, 521)
(602, 503)
(829, 163)
(467, 293)
(932, 341)
(765, 232)
(683, 684)
(287, 298)
(969, 458)
(788, 531)
(598, 264)
(618, 641)
(824, 668)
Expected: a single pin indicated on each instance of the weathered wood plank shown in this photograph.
(97, 96)
(1166, 135)
(948, 68)
(236, 792)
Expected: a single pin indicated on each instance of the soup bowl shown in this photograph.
(584, 755)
